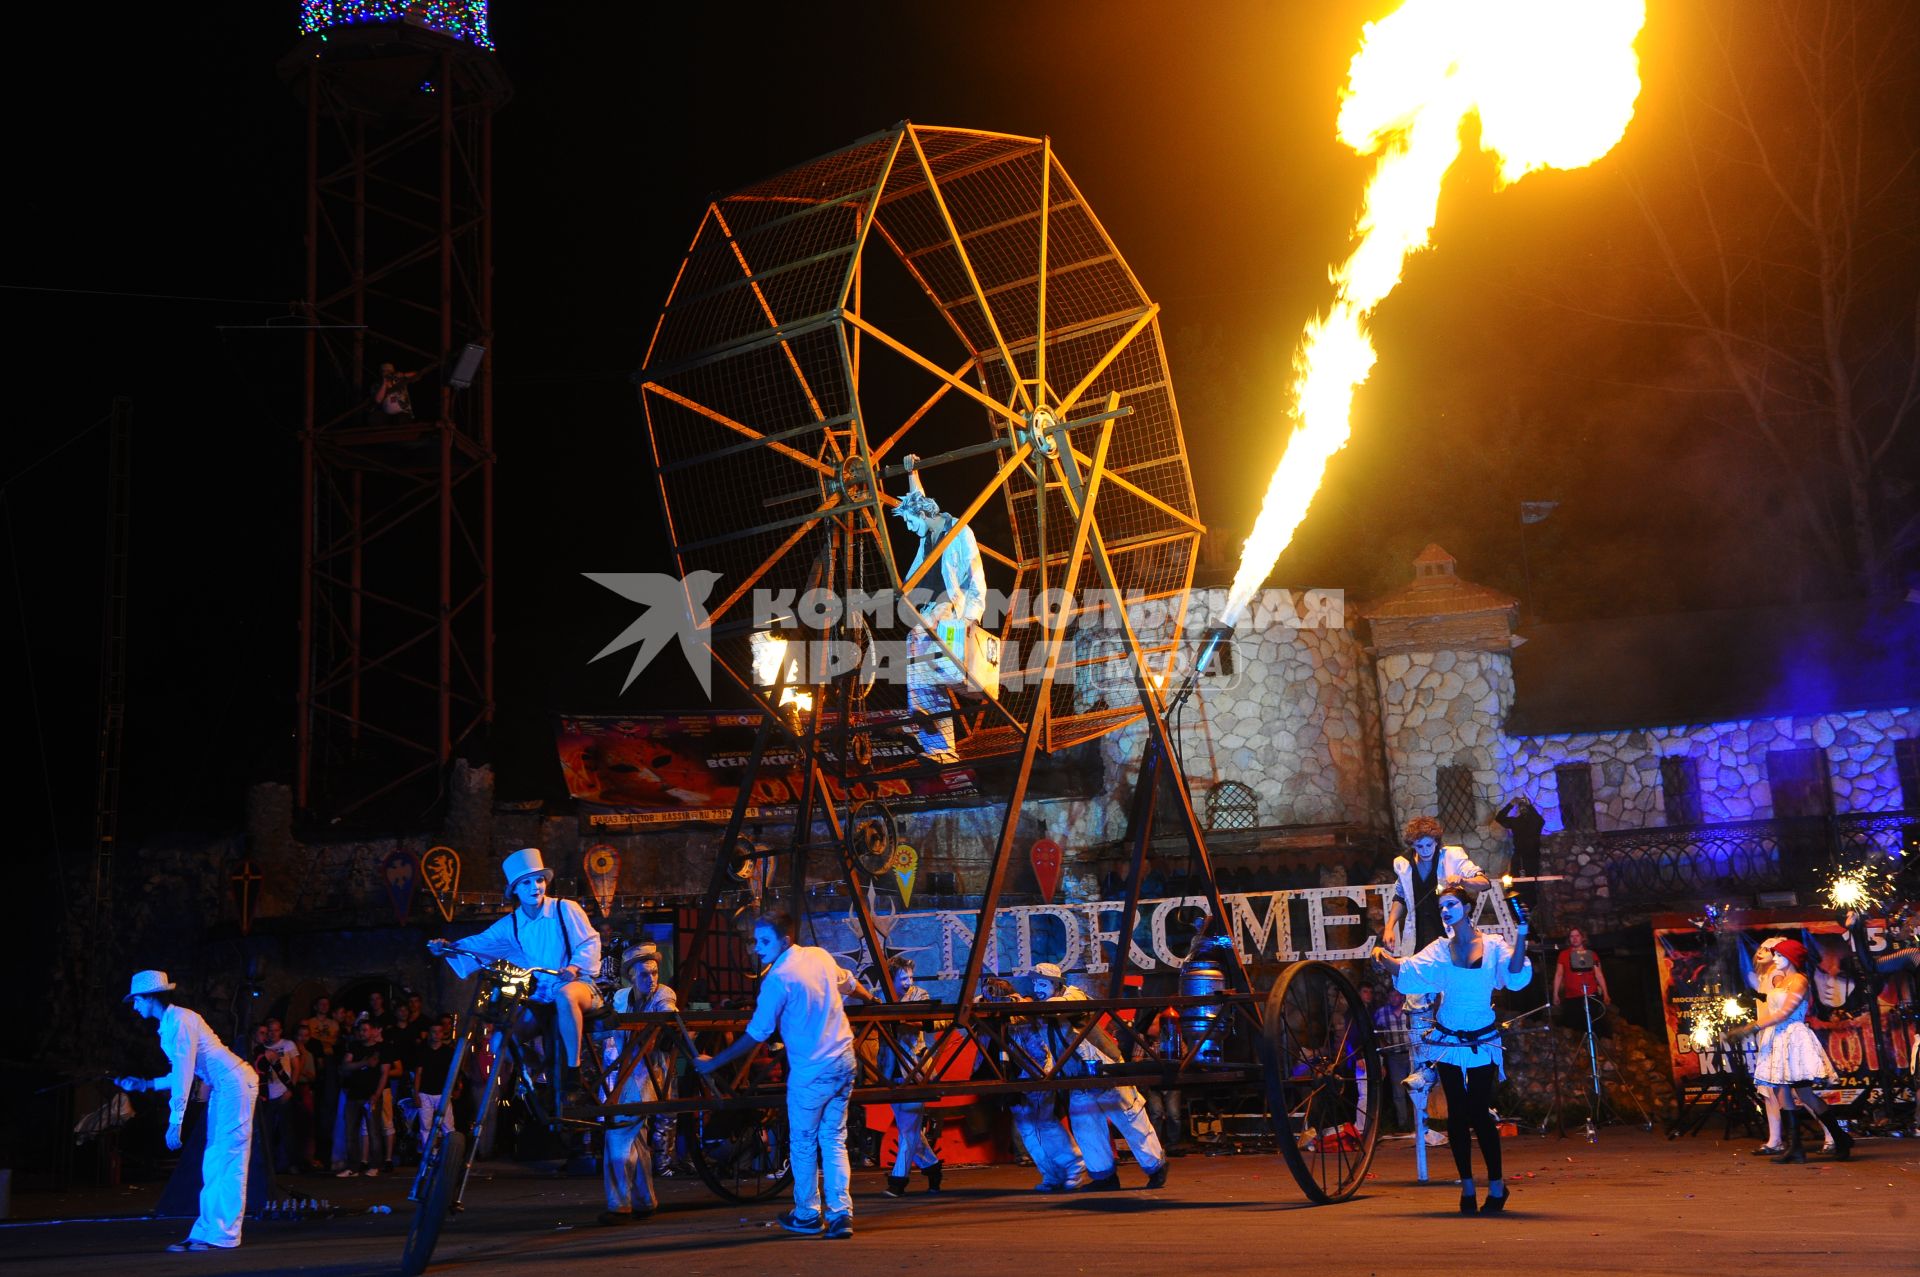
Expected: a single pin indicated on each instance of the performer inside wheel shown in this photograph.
(1463, 1044)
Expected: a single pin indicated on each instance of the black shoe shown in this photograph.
(838, 1226)
(1769, 1150)
(1494, 1205)
(896, 1186)
(1467, 1205)
(1842, 1145)
(1109, 1184)
(933, 1174)
(1157, 1178)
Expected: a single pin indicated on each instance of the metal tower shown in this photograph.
(396, 529)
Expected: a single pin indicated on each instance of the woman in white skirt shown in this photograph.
(1787, 1058)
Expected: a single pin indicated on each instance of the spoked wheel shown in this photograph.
(872, 836)
(1319, 1055)
(741, 1154)
(436, 1201)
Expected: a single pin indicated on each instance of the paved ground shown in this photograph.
(1632, 1203)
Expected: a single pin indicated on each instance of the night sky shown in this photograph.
(163, 156)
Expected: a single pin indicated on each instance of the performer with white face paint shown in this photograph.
(627, 1168)
(1049, 1145)
(1788, 1059)
(909, 1120)
(1464, 968)
(799, 999)
(193, 1051)
(964, 576)
(1090, 1110)
(541, 932)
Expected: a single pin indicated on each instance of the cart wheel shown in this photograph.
(1326, 1118)
(872, 836)
(741, 1154)
(436, 1200)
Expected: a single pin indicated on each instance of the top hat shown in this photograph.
(524, 863)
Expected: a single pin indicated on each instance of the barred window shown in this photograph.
(1575, 783)
(1232, 805)
(1458, 814)
(1906, 760)
(1680, 789)
(1800, 783)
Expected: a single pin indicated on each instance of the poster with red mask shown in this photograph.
(640, 770)
(1701, 968)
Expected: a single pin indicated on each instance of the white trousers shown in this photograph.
(909, 1124)
(817, 1135)
(627, 1168)
(223, 1169)
(1090, 1111)
(1048, 1143)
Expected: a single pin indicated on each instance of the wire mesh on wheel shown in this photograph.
(770, 436)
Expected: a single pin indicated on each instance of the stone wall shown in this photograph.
(1730, 762)
(1636, 1074)
(1444, 709)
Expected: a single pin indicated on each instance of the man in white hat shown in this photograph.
(1090, 1110)
(628, 1167)
(542, 932)
(193, 1051)
(964, 576)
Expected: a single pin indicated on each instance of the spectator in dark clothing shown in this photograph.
(378, 1012)
(363, 1068)
(429, 1080)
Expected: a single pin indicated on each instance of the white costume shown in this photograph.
(909, 1119)
(800, 999)
(627, 1168)
(1048, 1144)
(1466, 1032)
(194, 1051)
(1788, 1053)
(1089, 1111)
(559, 938)
(964, 576)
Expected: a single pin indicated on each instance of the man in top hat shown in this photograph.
(629, 1165)
(964, 575)
(193, 1051)
(542, 932)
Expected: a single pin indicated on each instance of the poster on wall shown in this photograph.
(638, 770)
(1700, 968)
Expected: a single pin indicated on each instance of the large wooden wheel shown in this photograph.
(1324, 1079)
(741, 1154)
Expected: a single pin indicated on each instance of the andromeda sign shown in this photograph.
(1266, 926)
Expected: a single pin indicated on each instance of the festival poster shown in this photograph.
(1700, 968)
(641, 770)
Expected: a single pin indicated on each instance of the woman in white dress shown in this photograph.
(1787, 1058)
(1464, 967)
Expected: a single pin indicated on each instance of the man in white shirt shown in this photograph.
(799, 998)
(541, 932)
(193, 1051)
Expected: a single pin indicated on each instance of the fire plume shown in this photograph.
(1552, 82)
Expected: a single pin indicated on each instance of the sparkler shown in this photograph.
(1708, 1023)
(1860, 890)
(1553, 83)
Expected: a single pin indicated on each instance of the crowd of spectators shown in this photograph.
(352, 1091)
